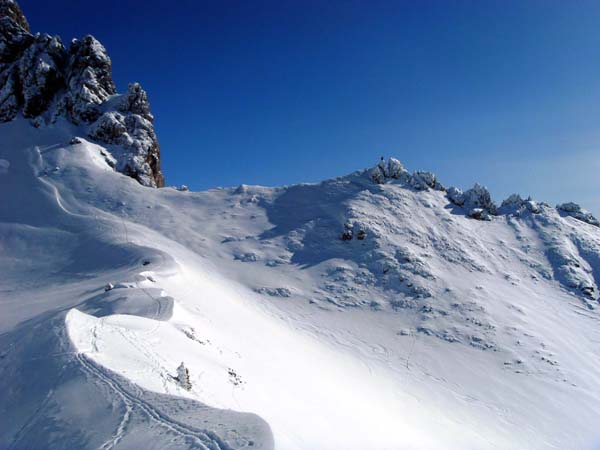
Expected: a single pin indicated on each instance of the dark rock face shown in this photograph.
(88, 79)
(44, 81)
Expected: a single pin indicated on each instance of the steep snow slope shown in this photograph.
(433, 331)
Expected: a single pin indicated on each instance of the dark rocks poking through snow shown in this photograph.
(394, 170)
(574, 210)
(353, 230)
(44, 81)
(477, 201)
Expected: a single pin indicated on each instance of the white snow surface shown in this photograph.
(435, 331)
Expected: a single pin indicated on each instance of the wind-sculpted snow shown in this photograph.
(57, 398)
(345, 314)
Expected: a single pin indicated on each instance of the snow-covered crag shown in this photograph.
(44, 81)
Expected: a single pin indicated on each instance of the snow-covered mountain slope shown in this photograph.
(422, 328)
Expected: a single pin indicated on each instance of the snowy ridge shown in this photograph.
(345, 314)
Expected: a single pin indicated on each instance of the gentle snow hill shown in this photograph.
(422, 329)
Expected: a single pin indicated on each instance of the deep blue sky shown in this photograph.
(502, 92)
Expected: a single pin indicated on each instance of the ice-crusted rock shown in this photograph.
(136, 102)
(383, 171)
(395, 169)
(513, 200)
(455, 195)
(14, 31)
(89, 80)
(574, 210)
(516, 204)
(425, 180)
(131, 128)
(477, 201)
(43, 80)
(39, 72)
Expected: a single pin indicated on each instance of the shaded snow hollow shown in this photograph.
(426, 328)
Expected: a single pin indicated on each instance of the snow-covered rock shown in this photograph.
(89, 80)
(425, 180)
(455, 195)
(515, 204)
(45, 81)
(395, 169)
(574, 210)
(477, 201)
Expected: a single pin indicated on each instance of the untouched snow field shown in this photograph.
(435, 331)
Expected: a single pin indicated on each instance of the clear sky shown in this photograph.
(502, 92)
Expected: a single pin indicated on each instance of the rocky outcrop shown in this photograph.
(477, 201)
(131, 128)
(44, 81)
(383, 171)
(394, 170)
(422, 181)
(574, 210)
(515, 204)
(88, 79)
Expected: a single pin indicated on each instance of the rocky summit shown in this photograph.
(44, 81)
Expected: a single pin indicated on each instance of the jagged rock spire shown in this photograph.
(10, 9)
(44, 81)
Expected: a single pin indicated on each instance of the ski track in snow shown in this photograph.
(200, 439)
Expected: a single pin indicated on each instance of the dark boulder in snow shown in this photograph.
(43, 80)
(574, 210)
